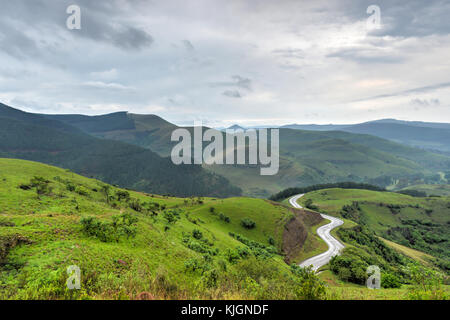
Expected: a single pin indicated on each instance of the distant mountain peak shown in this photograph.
(236, 127)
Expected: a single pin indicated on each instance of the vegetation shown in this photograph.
(35, 137)
(248, 223)
(132, 245)
(306, 157)
(343, 185)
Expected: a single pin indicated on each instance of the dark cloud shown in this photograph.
(16, 43)
(399, 18)
(423, 103)
(232, 94)
(118, 34)
(100, 21)
(188, 45)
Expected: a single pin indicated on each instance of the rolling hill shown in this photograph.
(416, 222)
(34, 137)
(425, 135)
(306, 157)
(133, 245)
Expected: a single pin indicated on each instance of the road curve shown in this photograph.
(334, 246)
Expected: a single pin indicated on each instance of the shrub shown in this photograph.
(121, 225)
(310, 286)
(171, 216)
(224, 218)
(309, 204)
(82, 191)
(248, 223)
(70, 187)
(426, 284)
(197, 234)
(135, 204)
(122, 195)
(389, 280)
(41, 184)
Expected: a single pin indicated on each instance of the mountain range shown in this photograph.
(426, 135)
(35, 137)
(133, 150)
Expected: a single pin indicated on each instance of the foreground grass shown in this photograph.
(180, 248)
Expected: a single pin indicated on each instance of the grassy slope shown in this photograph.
(152, 261)
(431, 189)
(432, 213)
(412, 253)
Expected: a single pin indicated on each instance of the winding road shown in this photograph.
(334, 246)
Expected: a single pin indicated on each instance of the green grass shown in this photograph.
(154, 260)
(431, 189)
(414, 222)
(412, 253)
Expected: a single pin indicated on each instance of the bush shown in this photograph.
(309, 205)
(224, 218)
(82, 191)
(135, 204)
(171, 216)
(248, 223)
(197, 234)
(41, 184)
(310, 286)
(121, 225)
(122, 195)
(389, 280)
(426, 284)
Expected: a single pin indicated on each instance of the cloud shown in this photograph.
(425, 102)
(410, 91)
(237, 81)
(366, 55)
(107, 86)
(188, 45)
(105, 75)
(296, 58)
(232, 94)
(292, 53)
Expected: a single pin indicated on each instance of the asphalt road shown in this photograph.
(334, 246)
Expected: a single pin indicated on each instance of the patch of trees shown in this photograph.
(248, 223)
(344, 185)
(366, 250)
(256, 248)
(110, 231)
(413, 193)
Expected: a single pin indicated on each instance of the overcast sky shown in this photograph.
(225, 62)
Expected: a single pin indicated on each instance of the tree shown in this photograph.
(41, 184)
(105, 190)
(248, 223)
(310, 286)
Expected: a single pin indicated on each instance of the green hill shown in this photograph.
(34, 137)
(306, 157)
(424, 135)
(132, 245)
(420, 223)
